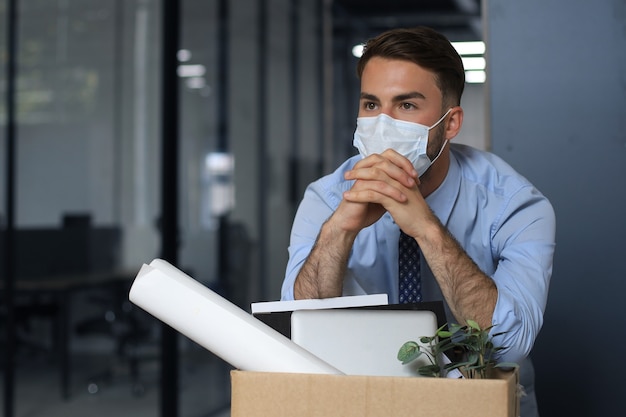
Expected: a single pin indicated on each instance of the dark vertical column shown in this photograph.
(294, 172)
(9, 235)
(118, 97)
(222, 75)
(62, 334)
(326, 82)
(222, 137)
(169, 193)
(262, 165)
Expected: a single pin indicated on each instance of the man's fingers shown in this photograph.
(374, 192)
(401, 162)
(380, 168)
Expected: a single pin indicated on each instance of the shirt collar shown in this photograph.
(442, 199)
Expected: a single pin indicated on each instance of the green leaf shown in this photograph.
(442, 328)
(443, 348)
(472, 358)
(472, 344)
(429, 370)
(443, 343)
(454, 327)
(454, 365)
(506, 365)
(471, 323)
(409, 352)
(444, 333)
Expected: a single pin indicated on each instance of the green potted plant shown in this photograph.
(469, 349)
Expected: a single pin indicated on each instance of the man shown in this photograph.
(485, 234)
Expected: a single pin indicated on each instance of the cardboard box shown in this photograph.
(264, 394)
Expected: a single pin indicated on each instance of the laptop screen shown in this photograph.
(363, 341)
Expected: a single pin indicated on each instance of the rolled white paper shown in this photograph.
(215, 323)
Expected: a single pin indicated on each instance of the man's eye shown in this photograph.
(408, 106)
(370, 106)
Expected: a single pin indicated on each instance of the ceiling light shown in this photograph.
(475, 77)
(357, 50)
(469, 48)
(473, 63)
(191, 70)
(196, 83)
(183, 55)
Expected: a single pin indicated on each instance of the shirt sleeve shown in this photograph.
(320, 200)
(524, 243)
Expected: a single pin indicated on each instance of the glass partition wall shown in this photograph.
(86, 197)
(88, 171)
(265, 105)
(88, 168)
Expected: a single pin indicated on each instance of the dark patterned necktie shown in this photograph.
(409, 270)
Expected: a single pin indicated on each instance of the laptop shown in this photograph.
(361, 341)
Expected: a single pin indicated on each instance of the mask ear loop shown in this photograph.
(445, 142)
(440, 119)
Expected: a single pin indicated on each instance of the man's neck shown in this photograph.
(433, 178)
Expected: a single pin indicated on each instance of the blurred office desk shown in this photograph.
(57, 291)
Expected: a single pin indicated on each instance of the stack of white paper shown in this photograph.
(320, 303)
(218, 325)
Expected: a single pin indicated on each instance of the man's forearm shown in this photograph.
(470, 293)
(322, 274)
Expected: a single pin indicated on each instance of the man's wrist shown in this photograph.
(333, 232)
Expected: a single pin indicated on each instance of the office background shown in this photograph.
(271, 84)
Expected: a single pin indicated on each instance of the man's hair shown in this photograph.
(426, 48)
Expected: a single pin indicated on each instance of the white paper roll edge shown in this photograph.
(215, 323)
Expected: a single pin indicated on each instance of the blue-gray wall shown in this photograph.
(557, 112)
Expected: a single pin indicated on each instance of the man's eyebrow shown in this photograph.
(400, 97)
(407, 96)
(367, 96)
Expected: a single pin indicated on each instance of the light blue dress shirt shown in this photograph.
(501, 220)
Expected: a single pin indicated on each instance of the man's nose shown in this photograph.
(386, 110)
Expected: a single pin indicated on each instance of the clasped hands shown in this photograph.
(383, 182)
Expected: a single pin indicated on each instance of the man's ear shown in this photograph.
(455, 121)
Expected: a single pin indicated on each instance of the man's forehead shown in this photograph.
(398, 77)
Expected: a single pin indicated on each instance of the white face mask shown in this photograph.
(373, 135)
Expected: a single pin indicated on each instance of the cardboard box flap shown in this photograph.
(261, 394)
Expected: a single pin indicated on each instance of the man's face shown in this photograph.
(405, 91)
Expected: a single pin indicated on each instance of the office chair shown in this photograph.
(129, 328)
